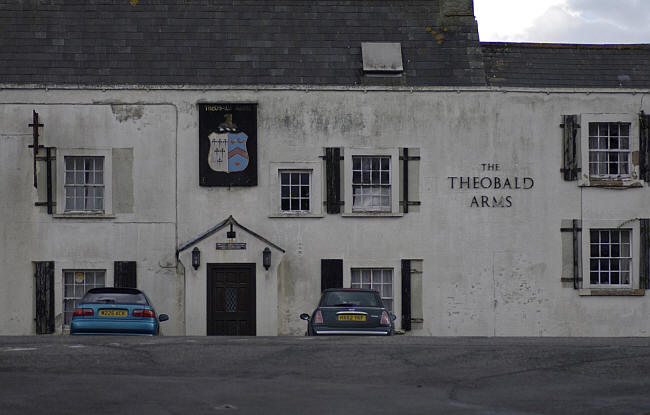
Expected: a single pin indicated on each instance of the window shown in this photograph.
(378, 279)
(75, 284)
(608, 145)
(84, 184)
(295, 191)
(84, 180)
(371, 183)
(609, 149)
(610, 259)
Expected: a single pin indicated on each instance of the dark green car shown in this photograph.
(350, 311)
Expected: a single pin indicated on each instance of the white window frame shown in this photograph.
(366, 263)
(74, 298)
(350, 153)
(293, 188)
(373, 285)
(634, 227)
(106, 154)
(627, 180)
(314, 168)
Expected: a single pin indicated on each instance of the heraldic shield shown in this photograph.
(227, 144)
(228, 151)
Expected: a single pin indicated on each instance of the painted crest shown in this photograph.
(228, 151)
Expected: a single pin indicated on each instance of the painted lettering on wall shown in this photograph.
(488, 185)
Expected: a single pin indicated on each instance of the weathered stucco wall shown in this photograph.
(486, 270)
(141, 140)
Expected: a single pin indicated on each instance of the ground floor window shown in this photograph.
(75, 284)
(378, 279)
(610, 259)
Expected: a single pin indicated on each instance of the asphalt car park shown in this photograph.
(324, 375)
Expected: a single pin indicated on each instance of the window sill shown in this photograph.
(612, 183)
(296, 215)
(372, 214)
(628, 292)
(79, 215)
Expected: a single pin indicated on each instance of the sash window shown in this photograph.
(371, 183)
(84, 184)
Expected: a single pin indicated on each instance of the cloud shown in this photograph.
(593, 21)
(565, 21)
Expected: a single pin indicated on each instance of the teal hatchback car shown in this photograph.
(123, 311)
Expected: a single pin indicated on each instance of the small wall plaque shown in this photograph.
(230, 245)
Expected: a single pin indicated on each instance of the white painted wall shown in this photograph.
(486, 271)
(146, 234)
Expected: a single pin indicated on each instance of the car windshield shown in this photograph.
(350, 298)
(114, 298)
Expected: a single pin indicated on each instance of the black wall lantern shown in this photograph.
(196, 258)
(266, 258)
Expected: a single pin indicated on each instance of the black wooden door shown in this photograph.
(231, 300)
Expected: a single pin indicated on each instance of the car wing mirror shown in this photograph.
(163, 317)
(393, 316)
(304, 316)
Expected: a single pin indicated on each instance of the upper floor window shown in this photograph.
(371, 183)
(603, 150)
(609, 150)
(295, 189)
(84, 184)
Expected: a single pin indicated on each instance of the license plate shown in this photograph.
(351, 317)
(113, 313)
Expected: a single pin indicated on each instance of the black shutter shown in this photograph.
(644, 147)
(406, 294)
(405, 158)
(405, 184)
(125, 274)
(331, 273)
(570, 162)
(644, 260)
(44, 287)
(333, 179)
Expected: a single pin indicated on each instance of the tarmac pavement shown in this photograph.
(307, 375)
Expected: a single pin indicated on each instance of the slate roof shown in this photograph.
(231, 42)
(286, 42)
(567, 65)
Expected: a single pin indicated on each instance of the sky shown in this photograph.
(563, 21)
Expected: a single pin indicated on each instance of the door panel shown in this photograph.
(231, 299)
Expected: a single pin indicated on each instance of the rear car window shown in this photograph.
(114, 298)
(351, 298)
